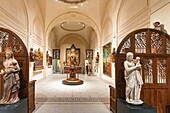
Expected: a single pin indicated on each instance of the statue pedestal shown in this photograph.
(124, 107)
(72, 79)
(19, 107)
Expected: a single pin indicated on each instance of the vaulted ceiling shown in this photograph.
(92, 9)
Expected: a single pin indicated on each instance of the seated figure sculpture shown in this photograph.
(10, 73)
(38, 56)
(133, 79)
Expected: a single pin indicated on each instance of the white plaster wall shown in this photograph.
(107, 32)
(96, 48)
(159, 11)
(107, 36)
(24, 18)
(36, 31)
(121, 18)
(13, 16)
(129, 15)
(51, 42)
(93, 40)
(132, 15)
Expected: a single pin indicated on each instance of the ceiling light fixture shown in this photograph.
(72, 1)
(72, 26)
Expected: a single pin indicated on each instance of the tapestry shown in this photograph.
(106, 59)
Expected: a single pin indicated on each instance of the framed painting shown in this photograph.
(89, 54)
(56, 53)
(106, 59)
(72, 56)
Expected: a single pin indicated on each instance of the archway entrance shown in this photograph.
(152, 46)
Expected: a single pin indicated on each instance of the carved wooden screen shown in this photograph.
(10, 39)
(153, 47)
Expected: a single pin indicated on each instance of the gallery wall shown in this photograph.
(120, 18)
(159, 11)
(67, 43)
(15, 18)
(129, 15)
(132, 15)
(24, 18)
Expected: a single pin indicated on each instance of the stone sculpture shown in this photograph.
(10, 73)
(133, 78)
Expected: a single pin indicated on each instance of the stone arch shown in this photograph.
(127, 22)
(107, 28)
(74, 16)
(38, 34)
(78, 37)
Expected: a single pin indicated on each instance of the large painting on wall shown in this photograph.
(106, 59)
(72, 56)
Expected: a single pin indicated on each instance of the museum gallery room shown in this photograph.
(84, 56)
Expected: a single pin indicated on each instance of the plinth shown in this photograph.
(72, 79)
(124, 107)
(19, 107)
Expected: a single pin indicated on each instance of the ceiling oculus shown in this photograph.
(73, 26)
(72, 1)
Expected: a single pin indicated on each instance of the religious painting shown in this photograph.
(106, 59)
(56, 53)
(38, 58)
(89, 54)
(72, 56)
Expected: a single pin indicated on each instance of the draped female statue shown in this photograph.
(133, 79)
(10, 73)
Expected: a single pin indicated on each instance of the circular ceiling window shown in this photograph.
(72, 26)
(73, 1)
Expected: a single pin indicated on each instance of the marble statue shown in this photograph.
(133, 78)
(10, 73)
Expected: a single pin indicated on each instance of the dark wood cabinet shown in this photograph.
(112, 99)
(31, 96)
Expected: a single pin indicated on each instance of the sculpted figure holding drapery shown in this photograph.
(133, 78)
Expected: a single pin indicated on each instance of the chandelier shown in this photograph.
(72, 1)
